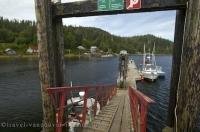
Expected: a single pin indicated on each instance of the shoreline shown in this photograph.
(155, 54)
(31, 56)
(65, 56)
(17, 56)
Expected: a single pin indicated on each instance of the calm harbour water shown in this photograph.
(20, 97)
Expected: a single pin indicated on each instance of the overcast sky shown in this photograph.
(157, 23)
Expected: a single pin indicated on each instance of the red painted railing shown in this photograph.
(139, 107)
(60, 95)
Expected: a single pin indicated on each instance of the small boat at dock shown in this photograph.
(107, 55)
(149, 70)
(160, 72)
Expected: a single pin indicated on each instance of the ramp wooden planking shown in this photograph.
(114, 117)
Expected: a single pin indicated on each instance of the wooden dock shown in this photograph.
(120, 108)
(185, 67)
(133, 74)
(114, 117)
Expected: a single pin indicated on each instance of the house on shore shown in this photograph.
(10, 51)
(81, 47)
(93, 49)
(32, 50)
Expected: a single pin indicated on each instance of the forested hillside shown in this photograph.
(88, 36)
(18, 35)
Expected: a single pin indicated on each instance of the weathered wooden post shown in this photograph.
(123, 66)
(51, 58)
(176, 60)
(58, 43)
(188, 93)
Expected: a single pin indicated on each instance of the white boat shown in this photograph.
(160, 72)
(150, 70)
(107, 55)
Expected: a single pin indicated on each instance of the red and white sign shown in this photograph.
(133, 4)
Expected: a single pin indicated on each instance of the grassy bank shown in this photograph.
(20, 49)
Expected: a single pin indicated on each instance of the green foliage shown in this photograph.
(23, 33)
(6, 35)
(88, 36)
(20, 32)
(20, 49)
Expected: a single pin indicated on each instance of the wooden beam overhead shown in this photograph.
(89, 8)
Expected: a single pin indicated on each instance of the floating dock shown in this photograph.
(133, 74)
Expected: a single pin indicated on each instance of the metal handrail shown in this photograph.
(60, 95)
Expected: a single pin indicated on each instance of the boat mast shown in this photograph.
(144, 56)
(153, 55)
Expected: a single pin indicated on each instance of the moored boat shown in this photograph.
(160, 72)
(150, 71)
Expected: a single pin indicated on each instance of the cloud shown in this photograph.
(17, 9)
(156, 23)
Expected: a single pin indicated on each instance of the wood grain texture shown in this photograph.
(176, 61)
(89, 8)
(46, 58)
(51, 56)
(116, 123)
(58, 50)
(114, 117)
(162, 3)
(126, 117)
(188, 94)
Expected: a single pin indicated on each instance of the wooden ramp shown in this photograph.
(114, 117)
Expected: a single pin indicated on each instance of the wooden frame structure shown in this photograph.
(89, 8)
(185, 85)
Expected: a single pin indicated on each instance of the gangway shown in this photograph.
(121, 110)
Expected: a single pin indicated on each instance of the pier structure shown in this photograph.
(119, 107)
(128, 72)
(121, 114)
(114, 117)
(123, 67)
(184, 90)
(116, 114)
(133, 74)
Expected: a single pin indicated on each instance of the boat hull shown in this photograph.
(150, 76)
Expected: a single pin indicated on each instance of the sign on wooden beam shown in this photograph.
(133, 4)
(109, 5)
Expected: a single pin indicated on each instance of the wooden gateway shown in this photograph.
(184, 105)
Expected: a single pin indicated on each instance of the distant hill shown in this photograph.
(88, 36)
(21, 34)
